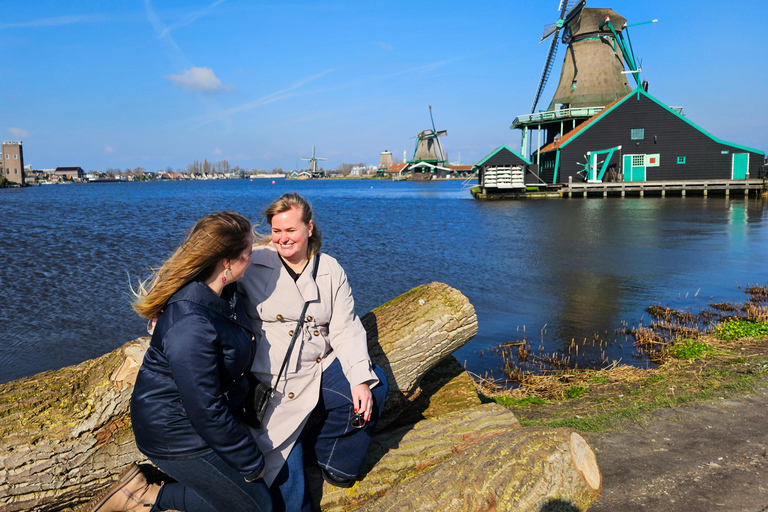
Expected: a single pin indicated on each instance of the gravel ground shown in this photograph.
(707, 457)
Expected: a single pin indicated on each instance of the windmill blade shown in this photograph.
(321, 159)
(432, 119)
(550, 56)
(439, 152)
(549, 29)
(547, 70)
(441, 133)
(575, 10)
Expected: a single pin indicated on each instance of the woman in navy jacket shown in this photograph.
(192, 381)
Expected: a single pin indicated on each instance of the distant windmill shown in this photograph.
(428, 147)
(593, 67)
(313, 160)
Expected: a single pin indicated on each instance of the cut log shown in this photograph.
(412, 333)
(526, 470)
(65, 434)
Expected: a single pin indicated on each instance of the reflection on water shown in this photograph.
(578, 266)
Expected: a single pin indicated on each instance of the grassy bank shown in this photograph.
(694, 363)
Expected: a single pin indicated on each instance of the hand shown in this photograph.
(362, 400)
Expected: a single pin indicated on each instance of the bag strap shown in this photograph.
(298, 326)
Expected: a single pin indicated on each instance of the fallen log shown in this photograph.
(64, 434)
(526, 470)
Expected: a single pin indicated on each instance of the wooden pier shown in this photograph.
(663, 188)
(630, 189)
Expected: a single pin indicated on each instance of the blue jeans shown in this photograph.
(208, 484)
(338, 446)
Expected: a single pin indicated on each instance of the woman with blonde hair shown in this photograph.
(325, 353)
(192, 382)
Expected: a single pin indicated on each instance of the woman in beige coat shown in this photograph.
(329, 368)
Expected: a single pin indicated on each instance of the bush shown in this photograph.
(575, 392)
(690, 349)
(734, 329)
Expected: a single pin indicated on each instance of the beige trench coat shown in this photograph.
(331, 331)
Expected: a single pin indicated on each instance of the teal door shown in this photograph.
(740, 165)
(634, 167)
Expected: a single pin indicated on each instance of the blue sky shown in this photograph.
(158, 83)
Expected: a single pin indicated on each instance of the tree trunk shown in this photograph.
(64, 434)
(529, 469)
(410, 334)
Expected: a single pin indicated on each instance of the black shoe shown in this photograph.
(336, 481)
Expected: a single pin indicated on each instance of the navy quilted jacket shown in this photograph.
(193, 379)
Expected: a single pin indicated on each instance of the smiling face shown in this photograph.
(290, 235)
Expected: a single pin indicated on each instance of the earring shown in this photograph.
(224, 279)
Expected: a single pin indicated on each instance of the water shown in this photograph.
(578, 267)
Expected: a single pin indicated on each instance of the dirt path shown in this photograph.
(708, 457)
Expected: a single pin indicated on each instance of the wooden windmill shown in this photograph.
(428, 148)
(313, 161)
(593, 72)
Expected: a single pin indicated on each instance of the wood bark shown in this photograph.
(65, 434)
(530, 469)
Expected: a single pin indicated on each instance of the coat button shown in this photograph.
(316, 333)
(253, 338)
(290, 333)
(319, 360)
(291, 395)
(234, 317)
(309, 318)
(279, 317)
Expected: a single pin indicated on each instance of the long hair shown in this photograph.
(285, 203)
(212, 238)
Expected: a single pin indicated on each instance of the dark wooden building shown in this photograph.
(504, 168)
(644, 140)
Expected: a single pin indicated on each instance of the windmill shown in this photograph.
(313, 161)
(593, 68)
(428, 148)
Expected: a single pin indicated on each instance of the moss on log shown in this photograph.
(526, 470)
(66, 434)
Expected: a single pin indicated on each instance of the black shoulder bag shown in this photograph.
(259, 394)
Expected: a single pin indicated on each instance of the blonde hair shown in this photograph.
(212, 238)
(285, 203)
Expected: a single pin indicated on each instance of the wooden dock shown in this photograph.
(663, 188)
(630, 189)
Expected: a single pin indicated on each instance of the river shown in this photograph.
(558, 270)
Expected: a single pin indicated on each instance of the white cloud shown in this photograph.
(18, 132)
(197, 79)
(109, 150)
(217, 151)
(385, 46)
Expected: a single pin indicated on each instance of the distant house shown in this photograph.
(70, 173)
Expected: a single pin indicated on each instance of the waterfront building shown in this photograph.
(599, 132)
(70, 173)
(12, 162)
